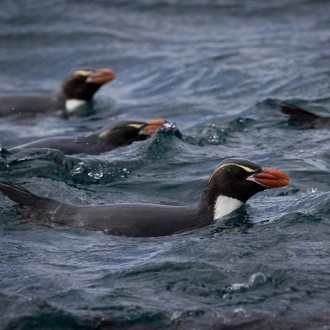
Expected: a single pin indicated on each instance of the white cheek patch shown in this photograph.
(225, 205)
(73, 104)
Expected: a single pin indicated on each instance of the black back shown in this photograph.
(28, 105)
(116, 135)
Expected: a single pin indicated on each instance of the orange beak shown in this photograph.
(270, 178)
(152, 127)
(101, 76)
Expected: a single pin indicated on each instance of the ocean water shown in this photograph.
(219, 70)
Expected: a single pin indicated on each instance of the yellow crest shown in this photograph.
(245, 168)
(137, 126)
(83, 73)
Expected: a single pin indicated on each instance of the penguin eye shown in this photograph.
(81, 79)
(241, 175)
(243, 172)
(131, 133)
(133, 130)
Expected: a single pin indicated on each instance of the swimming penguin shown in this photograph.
(305, 118)
(232, 183)
(115, 135)
(77, 89)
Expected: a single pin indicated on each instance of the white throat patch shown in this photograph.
(73, 104)
(225, 205)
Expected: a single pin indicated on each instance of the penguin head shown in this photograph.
(81, 85)
(126, 132)
(233, 182)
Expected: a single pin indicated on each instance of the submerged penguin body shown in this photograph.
(229, 187)
(118, 134)
(77, 89)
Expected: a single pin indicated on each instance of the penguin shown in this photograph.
(77, 89)
(115, 135)
(232, 183)
(305, 118)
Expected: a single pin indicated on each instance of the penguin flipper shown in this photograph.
(20, 195)
(303, 117)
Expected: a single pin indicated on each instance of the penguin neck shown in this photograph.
(70, 105)
(225, 205)
(221, 207)
(84, 95)
(73, 104)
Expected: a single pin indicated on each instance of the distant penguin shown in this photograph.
(115, 135)
(305, 118)
(77, 89)
(232, 183)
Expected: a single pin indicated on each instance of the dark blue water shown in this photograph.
(219, 70)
